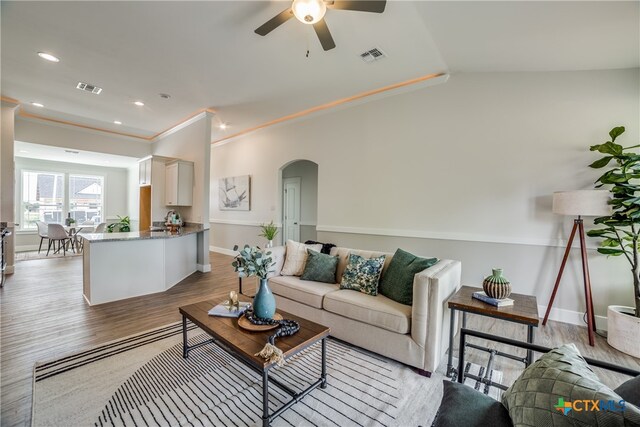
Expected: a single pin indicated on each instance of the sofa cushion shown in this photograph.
(397, 281)
(479, 409)
(320, 267)
(630, 391)
(378, 311)
(296, 257)
(544, 394)
(343, 258)
(305, 292)
(362, 274)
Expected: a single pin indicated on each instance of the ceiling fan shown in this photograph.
(312, 12)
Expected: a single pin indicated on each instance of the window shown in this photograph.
(42, 198)
(85, 198)
(45, 198)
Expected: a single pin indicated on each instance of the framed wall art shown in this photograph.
(234, 193)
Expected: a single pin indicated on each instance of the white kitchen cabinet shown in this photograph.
(179, 183)
(145, 171)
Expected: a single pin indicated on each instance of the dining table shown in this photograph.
(73, 230)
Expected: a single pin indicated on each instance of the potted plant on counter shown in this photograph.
(252, 261)
(620, 232)
(269, 232)
(123, 225)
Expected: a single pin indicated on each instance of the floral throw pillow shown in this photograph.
(362, 274)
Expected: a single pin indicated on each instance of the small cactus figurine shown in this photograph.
(496, 286)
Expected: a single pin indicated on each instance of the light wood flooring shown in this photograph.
(44, 316)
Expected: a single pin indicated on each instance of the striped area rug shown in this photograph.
(143, 380)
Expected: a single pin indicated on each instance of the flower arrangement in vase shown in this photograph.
(252, 261)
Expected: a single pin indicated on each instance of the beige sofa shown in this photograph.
(415, 335)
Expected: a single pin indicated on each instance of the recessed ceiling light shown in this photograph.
(48, 57)
(139, 103)
(223, 126)
(118, 122)
(23, 151)
(37, 104)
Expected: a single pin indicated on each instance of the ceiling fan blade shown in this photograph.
(324, 35)
(375, 6)
(274, 22)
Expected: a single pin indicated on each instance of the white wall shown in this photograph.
(45, 133)
(472, 160)
(7, 187)
(116, 187)
(191, 142)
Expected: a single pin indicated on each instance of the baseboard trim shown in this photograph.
(205, 268)
(571, 317)
(223, 251)
(26, 248)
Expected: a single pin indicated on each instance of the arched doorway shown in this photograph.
(299, 200)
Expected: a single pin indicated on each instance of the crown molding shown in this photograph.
(334, 104)
(181, 124)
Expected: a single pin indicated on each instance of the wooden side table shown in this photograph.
(524, 311)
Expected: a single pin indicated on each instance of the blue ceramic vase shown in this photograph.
(264, 304)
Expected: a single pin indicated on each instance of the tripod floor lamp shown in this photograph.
(579, 203)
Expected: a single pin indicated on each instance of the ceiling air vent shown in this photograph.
(372, 55)
(89, 88)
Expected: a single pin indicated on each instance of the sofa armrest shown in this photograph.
(429, 315)
(277, 253)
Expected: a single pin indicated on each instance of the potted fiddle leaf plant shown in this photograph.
(269, 232)
(252, 261)
(620, 233)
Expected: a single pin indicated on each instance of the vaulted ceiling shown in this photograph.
(206, 54)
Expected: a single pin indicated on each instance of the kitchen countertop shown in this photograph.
(142, 235)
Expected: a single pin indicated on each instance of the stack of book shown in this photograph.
(227, 310)
(504, 302)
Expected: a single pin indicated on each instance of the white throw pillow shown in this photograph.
(296, 258)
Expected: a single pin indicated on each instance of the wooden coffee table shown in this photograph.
(243, 345)
(524, 311)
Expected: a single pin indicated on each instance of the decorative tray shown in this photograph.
(245, 324)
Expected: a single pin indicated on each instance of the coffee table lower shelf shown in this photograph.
(266, 417)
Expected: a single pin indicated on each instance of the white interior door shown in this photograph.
(291, 209)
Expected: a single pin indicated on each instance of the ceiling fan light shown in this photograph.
(309, 11)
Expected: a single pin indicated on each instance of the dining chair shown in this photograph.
(42, 232)
(57, 233)
(100, 227)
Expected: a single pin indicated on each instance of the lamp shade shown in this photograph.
(582, 203)
(309, 11)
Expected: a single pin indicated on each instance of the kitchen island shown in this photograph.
(123, 265)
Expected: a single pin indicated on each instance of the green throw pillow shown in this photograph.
(362, 274)
(560, 389)
(464, 406)
(397, 281)
(320, 267)
(630, 391)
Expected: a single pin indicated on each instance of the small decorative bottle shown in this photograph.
(496, 286)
